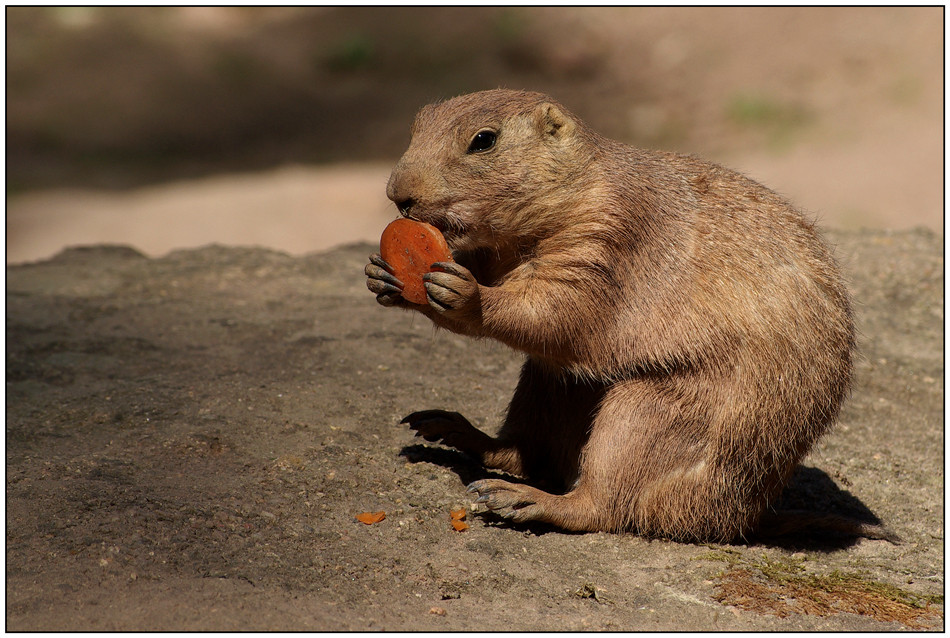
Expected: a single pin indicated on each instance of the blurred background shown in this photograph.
(172, 127)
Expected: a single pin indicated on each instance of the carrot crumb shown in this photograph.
(370, 517)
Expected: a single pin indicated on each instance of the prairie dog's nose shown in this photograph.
(405, 206)
(401, 187)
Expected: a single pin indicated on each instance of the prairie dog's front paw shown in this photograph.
(451, 288)
(381, 282)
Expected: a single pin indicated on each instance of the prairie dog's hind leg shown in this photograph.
(641, 469)
(547, 423)
(598, 498)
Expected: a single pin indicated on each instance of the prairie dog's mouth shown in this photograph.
(456, 233)
(445, 222)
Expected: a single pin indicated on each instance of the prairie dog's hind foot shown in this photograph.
(513, 501)
(520, 503)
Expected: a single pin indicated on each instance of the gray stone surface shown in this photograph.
(189, 439)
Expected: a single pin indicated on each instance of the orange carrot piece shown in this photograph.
(411, 248)
(370, 517)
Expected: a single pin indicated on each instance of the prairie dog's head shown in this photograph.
(484, 166)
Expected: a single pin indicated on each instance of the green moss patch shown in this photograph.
(783, 586)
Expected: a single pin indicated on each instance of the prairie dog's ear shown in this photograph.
(553, 122)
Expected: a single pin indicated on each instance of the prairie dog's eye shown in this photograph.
(482, 141)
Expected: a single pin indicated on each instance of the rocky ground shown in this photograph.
(190, 438)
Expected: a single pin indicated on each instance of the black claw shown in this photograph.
(388, 279)
(377, 259)
(392, 281)
(427, 278)
(450, 267)
(421, 415)
(432, 300)
(386, 288)
(382, 272)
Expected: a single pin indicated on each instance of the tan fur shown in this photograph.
(688, 335)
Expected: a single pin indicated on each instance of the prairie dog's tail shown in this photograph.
(797, 522)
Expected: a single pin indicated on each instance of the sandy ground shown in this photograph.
(189, 440)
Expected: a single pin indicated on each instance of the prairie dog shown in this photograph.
(688, 335)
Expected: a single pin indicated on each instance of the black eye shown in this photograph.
(482, 141)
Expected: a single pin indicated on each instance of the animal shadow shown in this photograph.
(813, 493)
(467, 468)
(810, 492)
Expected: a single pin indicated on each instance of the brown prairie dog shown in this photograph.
(688, 335)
